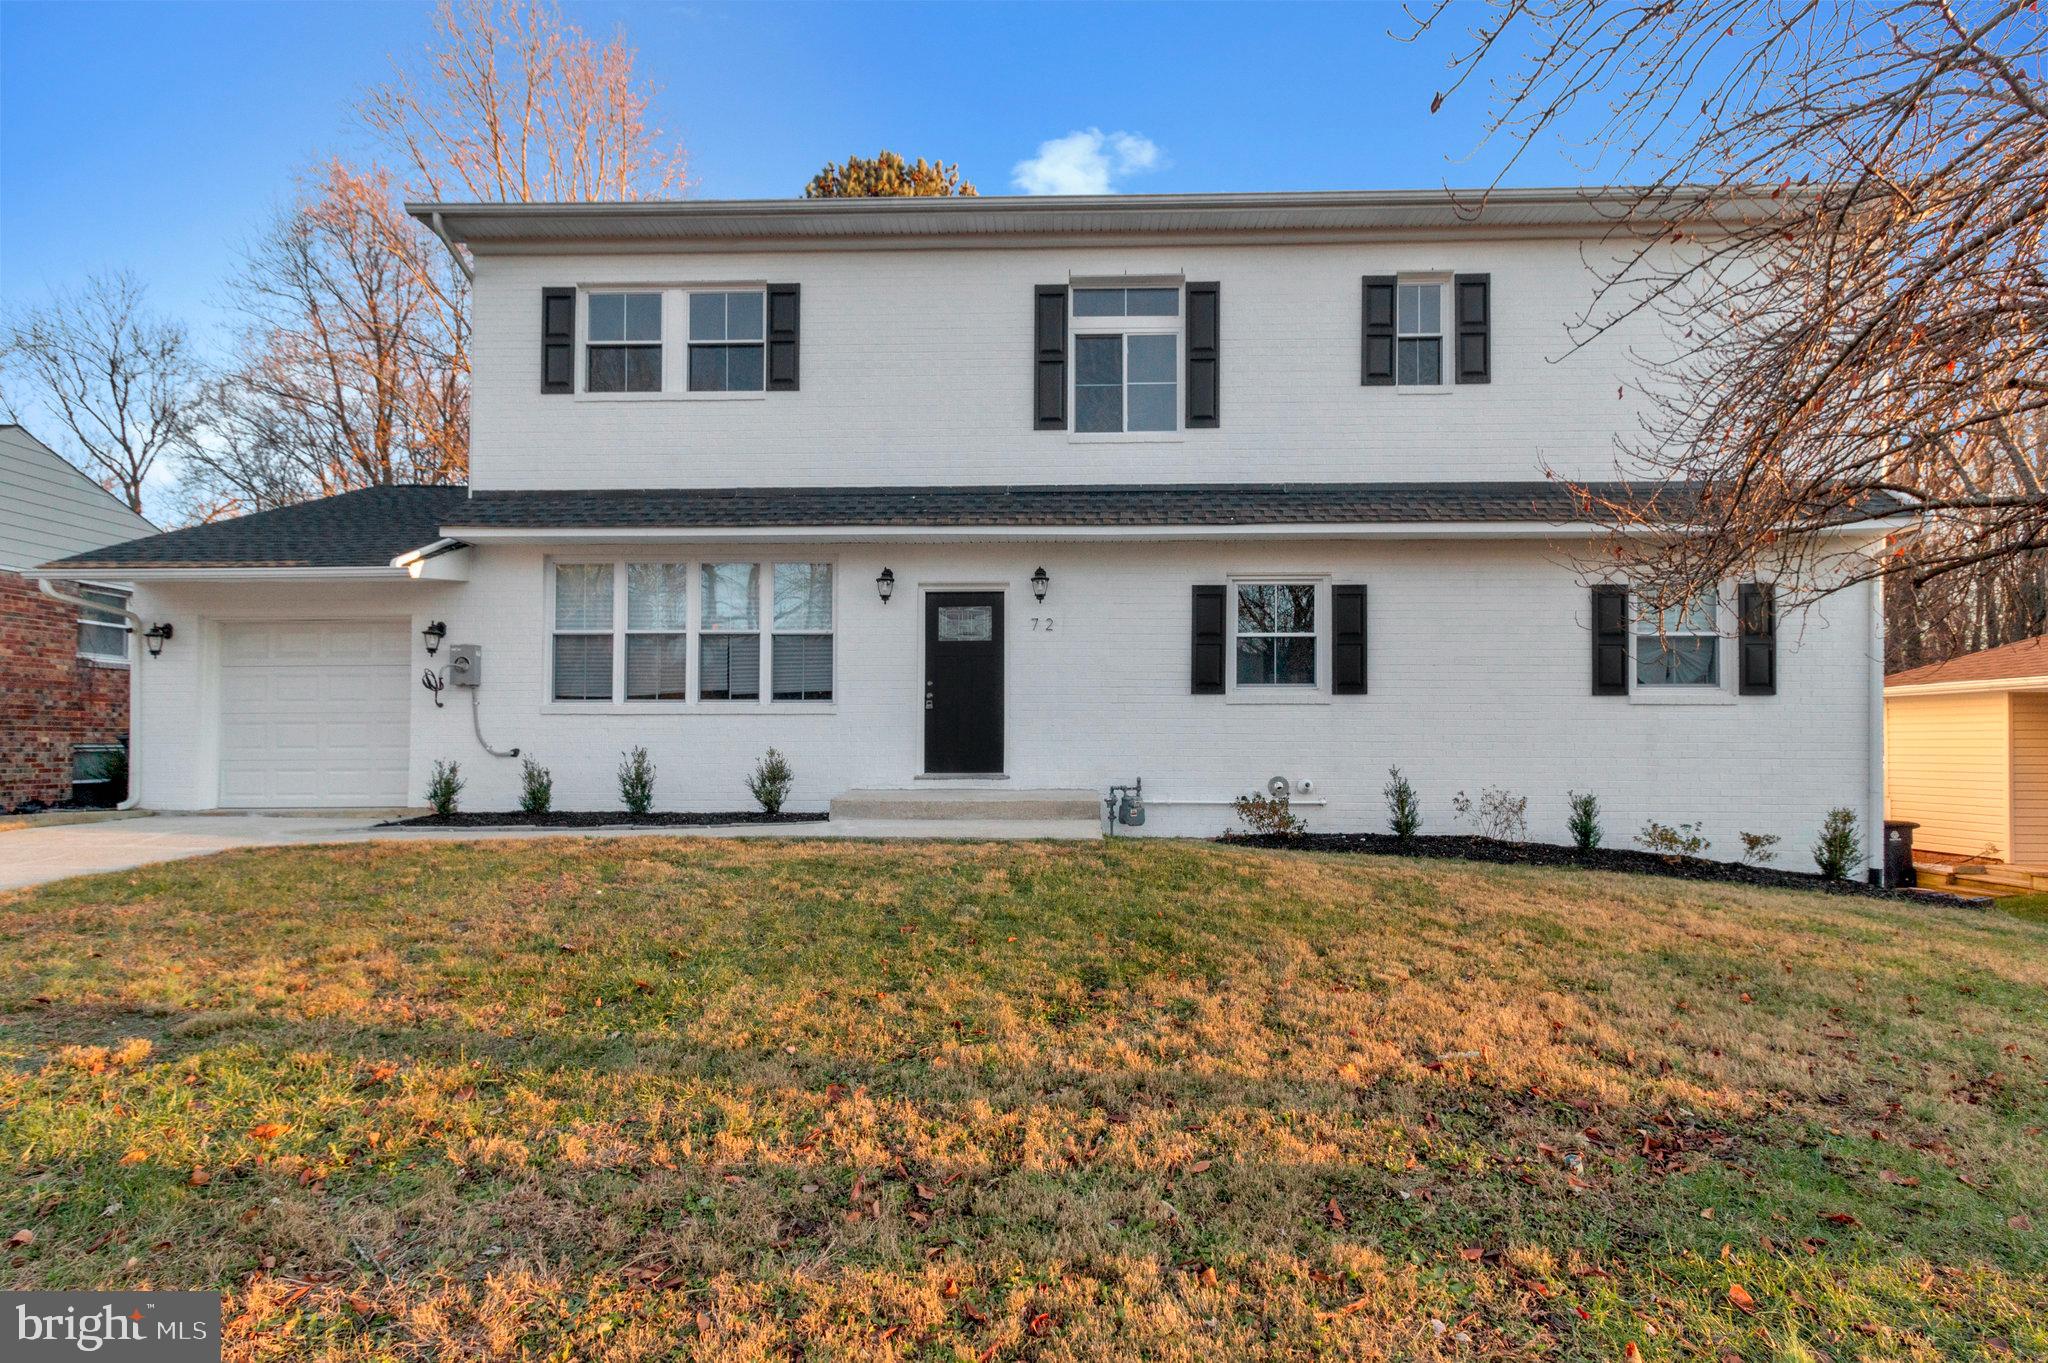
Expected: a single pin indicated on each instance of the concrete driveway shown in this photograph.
(37, 855)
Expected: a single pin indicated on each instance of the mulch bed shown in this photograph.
(598, 818)
(1458, 848)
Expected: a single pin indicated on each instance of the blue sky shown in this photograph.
(161, 136)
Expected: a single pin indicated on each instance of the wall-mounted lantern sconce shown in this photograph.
(886, 584)
(1039, 583)
(433, 635)
(155, 637)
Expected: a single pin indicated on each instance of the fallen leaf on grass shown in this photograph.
(135, 1157)
(268, 1131)
(1840, 1219)
(20, 1239)
(199, 1178)
(1739, 1295)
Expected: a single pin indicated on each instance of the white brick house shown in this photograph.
(1282, 460)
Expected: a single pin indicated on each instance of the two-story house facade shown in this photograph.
(1039, 493)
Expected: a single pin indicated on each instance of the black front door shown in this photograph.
(963, 682)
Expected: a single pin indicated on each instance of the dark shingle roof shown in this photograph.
(1132, 505)
(362, 529)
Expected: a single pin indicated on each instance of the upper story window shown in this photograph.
(623, 343)
(103, 634)
(1679, 645)
(1419, 333)
(1276, 634)
(1127, 360)
(726, 342)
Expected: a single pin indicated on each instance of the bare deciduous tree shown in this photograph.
(123, 383)
(1853, 281)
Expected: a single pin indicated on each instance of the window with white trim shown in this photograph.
(1679, 645)
(103, 634)
(1127, 359)
(583, 631)
(801, 654)
(729, 640)
(622, 343)
(727, 342)
(1419, 308)
(1275, 629)
(657, 631)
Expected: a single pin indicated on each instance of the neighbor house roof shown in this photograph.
(361, 529)
(515, 226)
(2008, 667)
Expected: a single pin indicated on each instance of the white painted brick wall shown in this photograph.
(1479, 663)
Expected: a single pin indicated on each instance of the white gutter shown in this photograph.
(128, 574)
(441, 231)
(136, 630)
(1959, 688)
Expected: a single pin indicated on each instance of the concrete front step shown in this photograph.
(979, 805)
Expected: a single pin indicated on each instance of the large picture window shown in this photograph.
(622, 350)
(1127, 360)
(1276, 634)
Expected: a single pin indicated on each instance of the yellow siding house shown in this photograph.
(1966, 754)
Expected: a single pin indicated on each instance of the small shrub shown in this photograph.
(536, 787)
(1838, 848)
(1682, 841)
(1404, 807)
(1759, 849)
(636, 780)
(1498, 814)
(1268, 816)
(444, 787)
(1584, 823)
(771, 781)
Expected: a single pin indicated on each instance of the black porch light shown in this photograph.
(885, 583)
(432, 635)
(1039, 583)
(155, 637)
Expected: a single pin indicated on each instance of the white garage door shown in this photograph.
(313, 713)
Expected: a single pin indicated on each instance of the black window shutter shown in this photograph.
(1610, 641)
(1347, 639)
(783, 313)
(1757, 605)
(558, 340)
(1203, 327)
(1378, 319)
(1049, 349)
(1206, 678)
(1473, 295)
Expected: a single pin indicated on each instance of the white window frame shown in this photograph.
(1442, 283)
(774, 632)
(1642, 625)
(120, 622)
(1127, 327)
(690, 343)
(675, 353)
(614, 632)
(1278, 693)
(622, 612)
(706, 630)
(661, 344)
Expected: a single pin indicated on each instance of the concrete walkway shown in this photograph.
(36, 856)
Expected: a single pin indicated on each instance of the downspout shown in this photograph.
(136, 630)
(449, 242)
(1874, 795)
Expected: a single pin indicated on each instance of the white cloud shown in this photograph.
(1085, 162)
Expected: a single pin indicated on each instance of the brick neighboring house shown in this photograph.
(63, 671)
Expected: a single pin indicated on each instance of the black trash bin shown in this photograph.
(1898, 853)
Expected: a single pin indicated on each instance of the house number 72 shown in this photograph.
(1041, 624)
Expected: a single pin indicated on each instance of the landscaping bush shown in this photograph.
(1497, 813)
(444, 787)
(1404, 808)
(1268, 816)
(1838, 848)
(1759, 849)
(536, 787)
(636, 780)
(771, 781)
(1584, 823)
(1682, 841)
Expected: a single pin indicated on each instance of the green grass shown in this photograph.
(664, 1098)
(2031, 907)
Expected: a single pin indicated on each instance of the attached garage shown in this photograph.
(314, 713)
(1966, 754)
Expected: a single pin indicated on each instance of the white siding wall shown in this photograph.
(1479, 663)
(916, 368)
(48, 509)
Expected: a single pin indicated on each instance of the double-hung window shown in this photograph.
(622, 344)
(1276, 634)
(802, 662)
(726, 341)
(103, 634)
(729, 661)
(1679, 645)
(1419, 333)
(657, 624)
(583, 631)
(1126, 360)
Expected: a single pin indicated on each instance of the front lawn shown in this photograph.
(663, 1098)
